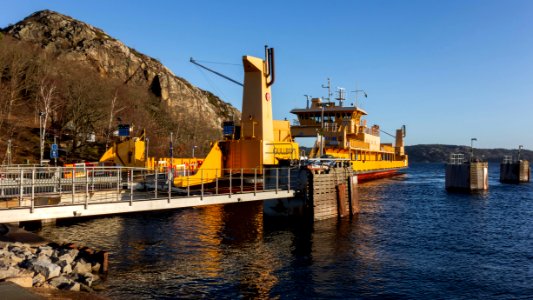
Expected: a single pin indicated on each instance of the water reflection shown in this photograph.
(412, 239)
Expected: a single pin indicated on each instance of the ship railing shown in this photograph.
(32, 187)
(369, 131)
(327, 162)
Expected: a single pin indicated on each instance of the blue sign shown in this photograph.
(123, 130)
(54, 153)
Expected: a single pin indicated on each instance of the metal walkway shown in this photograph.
(30, 194)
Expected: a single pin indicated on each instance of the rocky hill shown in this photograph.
(62, 40)
(74, 40)
(441, 153)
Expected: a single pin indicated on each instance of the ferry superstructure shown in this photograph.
(343, 134)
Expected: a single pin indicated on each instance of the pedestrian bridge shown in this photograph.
(38, 193)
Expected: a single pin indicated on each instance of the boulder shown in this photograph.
(82, 267)
(66, 268)
(64, 283)
(59, 281)
(9, 272)
(66, 257)
(26, 282)
(45, 250)
(72, 286)
(96, 267)
(15, 259)
(38, 279)
(48, 269)
(88, 278)
(73, 253)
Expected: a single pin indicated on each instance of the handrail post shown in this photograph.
(59, 175)
(255, 181)
(216, 181)
(92, 180)
(277, 179)
(202, 186)
(288, 179)
(21, 186)
(155, 180)
(131, 187)
(73, 184)
(119, 182)
(264, 179)
(230, 183)
(242, 180)
(86, 188)
(32, 189)
(188, 184)
(169, 183)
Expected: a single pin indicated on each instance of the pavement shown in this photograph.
(11, 291)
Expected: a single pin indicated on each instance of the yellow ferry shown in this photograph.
(343, 134)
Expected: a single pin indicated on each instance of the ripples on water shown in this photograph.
(411, 240)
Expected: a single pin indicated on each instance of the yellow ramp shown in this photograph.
(208, 172)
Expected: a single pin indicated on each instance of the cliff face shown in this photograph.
(73, 40)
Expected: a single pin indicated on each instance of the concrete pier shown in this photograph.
(514, 171)
(466, 176)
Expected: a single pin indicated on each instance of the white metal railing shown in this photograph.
(457, 159)
(507, 159)
(46, 186)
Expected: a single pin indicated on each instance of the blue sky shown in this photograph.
(448, 70)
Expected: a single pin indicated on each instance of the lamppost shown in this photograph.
(147, 148)
(193, 147)
(41, 137)
(519, 150)
(472, 148)
(171, 149)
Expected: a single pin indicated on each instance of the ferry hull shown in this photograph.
(362, 177)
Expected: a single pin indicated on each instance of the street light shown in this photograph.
(147, 148)
(472, 148)
(41, 137)
(193, 147)
(519, 150)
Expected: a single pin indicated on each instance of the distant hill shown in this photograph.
(441, 153)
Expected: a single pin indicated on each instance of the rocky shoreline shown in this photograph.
(51, 266)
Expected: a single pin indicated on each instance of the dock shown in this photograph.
(40, 194)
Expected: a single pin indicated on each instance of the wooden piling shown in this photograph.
(333, 195)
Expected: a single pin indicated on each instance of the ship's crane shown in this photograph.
(192, 60)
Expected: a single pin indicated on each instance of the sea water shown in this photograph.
(412, 239)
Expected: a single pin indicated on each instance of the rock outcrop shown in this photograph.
(74, 40)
